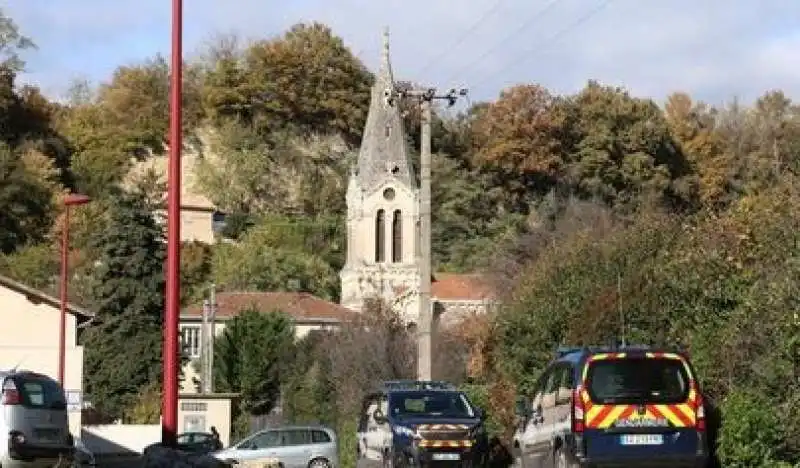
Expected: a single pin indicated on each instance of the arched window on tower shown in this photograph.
(380, 236)
(397, 237)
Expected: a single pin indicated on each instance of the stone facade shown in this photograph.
(382, 207)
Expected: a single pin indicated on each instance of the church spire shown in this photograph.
(383, 154)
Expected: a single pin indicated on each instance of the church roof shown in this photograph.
(384, 153)
(461, 287)
(458, 287)
(302, 307)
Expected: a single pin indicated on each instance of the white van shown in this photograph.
(33, 420)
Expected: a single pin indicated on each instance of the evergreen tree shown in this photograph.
(123, 351)
(252, 357)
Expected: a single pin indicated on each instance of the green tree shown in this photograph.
(128, 297)
(26, 203)
(623, 150)
(252, 358)
(12, 44)
(291, 174)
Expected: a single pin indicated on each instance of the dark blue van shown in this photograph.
(614, 406)
(421, 423)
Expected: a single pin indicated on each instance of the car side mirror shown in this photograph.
(379, 417)
(537, 415)
(480, 413)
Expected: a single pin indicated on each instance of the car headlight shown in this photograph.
(476, 432)
(406, 432)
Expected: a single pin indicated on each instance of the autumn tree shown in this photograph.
(524, 136)
(308, 79)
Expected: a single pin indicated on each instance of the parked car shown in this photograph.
(198, 442)
(290, 446)
(35, 422)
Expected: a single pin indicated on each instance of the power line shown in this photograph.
(522, 27)
(532, 51)
(461, 39)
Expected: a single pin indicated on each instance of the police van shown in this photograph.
(421, 423)
(613, 406)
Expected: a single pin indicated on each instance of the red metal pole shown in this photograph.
(62, 330)
(169, 425)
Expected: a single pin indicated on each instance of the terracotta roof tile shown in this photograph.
(301, 306)
(461, 287)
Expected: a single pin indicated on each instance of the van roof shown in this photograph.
(576, 353)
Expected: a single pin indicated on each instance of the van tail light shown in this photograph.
(578, 411)
(11, 395)
(700, 409)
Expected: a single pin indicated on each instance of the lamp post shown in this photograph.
(169, 402)
(71, 199)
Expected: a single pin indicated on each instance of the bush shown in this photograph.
(751, 434)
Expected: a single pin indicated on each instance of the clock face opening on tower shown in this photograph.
(388, 194)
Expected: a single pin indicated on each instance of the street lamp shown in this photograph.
(169, 395)
(71, 199)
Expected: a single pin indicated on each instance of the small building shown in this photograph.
(308, 312)
(29, 338)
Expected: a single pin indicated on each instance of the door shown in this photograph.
(372, 437)
(263, 445)
(562, 413)
(533, 436)
(296, 448)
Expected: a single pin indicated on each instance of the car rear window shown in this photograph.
(39, 392)
(631, 381)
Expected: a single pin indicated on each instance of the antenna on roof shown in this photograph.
(16, 366)
(620, 309)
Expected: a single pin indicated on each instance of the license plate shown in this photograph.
(47, 435)
(446, 456)
(642, 439)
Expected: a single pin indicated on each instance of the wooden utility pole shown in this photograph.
(425, 318)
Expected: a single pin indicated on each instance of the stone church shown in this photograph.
(382, 230)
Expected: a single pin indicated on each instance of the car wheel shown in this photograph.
(388, 460)
(561, 459)
(319, 463)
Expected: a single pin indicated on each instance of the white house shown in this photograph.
(29, 338)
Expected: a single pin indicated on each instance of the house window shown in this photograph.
(397, 237)
(190, 340)
(380, 236)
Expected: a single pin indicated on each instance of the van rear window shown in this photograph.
(40, 393)
(635, 381)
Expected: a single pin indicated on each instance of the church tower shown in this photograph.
(382, 207)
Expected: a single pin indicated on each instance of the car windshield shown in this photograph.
(637, 381)
(430, 404)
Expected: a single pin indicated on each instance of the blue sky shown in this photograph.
(713, 49)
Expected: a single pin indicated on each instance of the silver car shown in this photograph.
(289, 446)
(33, 421)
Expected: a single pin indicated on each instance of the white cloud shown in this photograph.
(713, 49)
